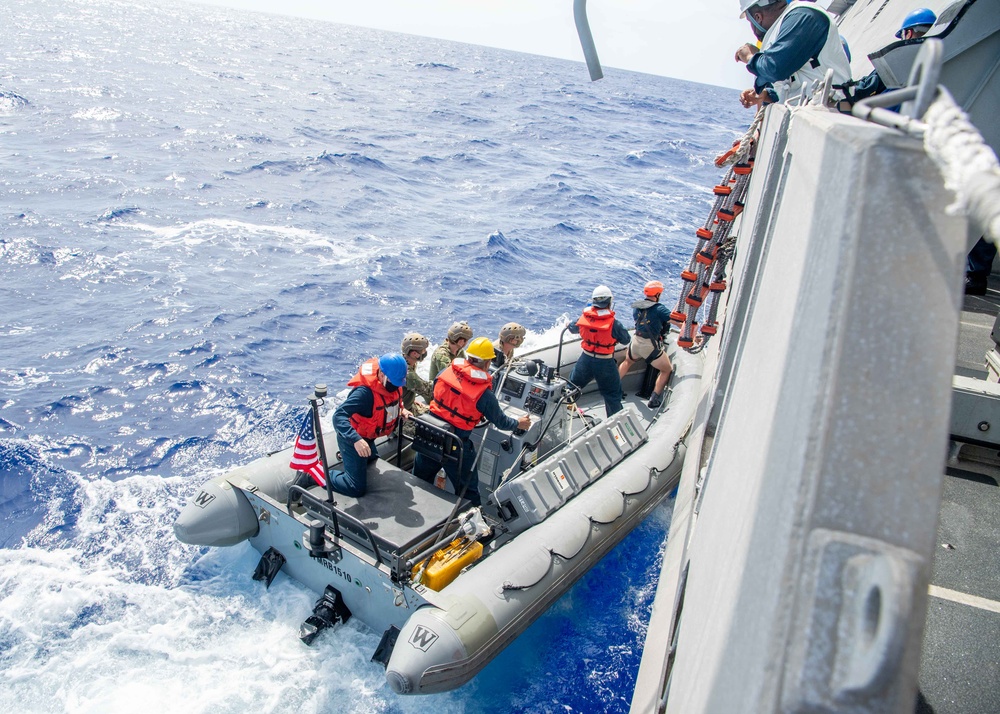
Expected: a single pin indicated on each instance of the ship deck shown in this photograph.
(960, 658)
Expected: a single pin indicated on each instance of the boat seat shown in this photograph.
(398, 509)
(435, 438)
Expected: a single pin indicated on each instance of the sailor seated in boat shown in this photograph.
(511, 336)
(652, 322)
(371, 410)
(458, 335)
(599, 333)
(463, 395)
(414, 349)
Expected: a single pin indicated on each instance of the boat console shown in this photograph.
(532, 388)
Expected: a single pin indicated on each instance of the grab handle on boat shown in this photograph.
(559, 351)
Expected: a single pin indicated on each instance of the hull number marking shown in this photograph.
(336, 569)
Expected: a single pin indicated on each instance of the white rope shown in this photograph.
(745, 144)
(969, 167)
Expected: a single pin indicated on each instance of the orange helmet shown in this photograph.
(653, 289)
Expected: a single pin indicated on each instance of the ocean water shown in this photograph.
(206, 212)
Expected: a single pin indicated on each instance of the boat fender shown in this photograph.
(268, 566)
(534, 569)
(570, 540)
(434, 637)
(567, 543)
(219, 515)
(329, 610)
(608, 510)
(636, 483)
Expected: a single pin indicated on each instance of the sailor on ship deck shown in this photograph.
(799, 43)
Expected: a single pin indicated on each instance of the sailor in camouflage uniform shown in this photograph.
(458, 335)
(414, 350)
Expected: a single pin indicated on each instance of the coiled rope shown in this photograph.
(705, 276)
(967, 164)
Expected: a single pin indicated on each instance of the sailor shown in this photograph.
(978, 266)
(799, 43)
(371, 410)
(511, 336)
(463, 395)
(652, 322)
(914, 26)
(414, 349)
(599, 333)
(458, 335)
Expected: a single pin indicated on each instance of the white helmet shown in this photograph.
(747, 4)
(601, 296)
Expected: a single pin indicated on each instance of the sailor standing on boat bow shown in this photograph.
(599, 333)
(463, 395)
(799, 43)
(371, 410)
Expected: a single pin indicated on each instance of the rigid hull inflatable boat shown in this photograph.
(450, 585)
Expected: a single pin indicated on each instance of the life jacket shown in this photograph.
(643, 325)
(385, 410)
(595, 330)
(457, 391)
(832, 56)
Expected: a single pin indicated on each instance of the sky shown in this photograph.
(686, 39)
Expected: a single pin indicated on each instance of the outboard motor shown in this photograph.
(329, 610)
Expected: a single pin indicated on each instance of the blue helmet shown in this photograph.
(918, 18)
(847, 48)
(394, 368)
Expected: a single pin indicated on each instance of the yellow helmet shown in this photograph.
(480, 348)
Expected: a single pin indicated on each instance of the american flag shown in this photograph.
(305, 456)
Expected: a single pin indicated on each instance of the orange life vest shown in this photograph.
(595, 330)
(456, 392)
(385, 410)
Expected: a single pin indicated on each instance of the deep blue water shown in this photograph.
(207, 212)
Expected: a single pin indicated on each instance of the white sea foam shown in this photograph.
(98, 114)
(126, 616)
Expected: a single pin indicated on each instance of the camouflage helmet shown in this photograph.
(512, 331)
(413, 341)
(458, 331)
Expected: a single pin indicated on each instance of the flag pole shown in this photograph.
(315, 401)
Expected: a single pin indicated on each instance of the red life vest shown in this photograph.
(456, 392)
(595, 330)
(385, 410)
